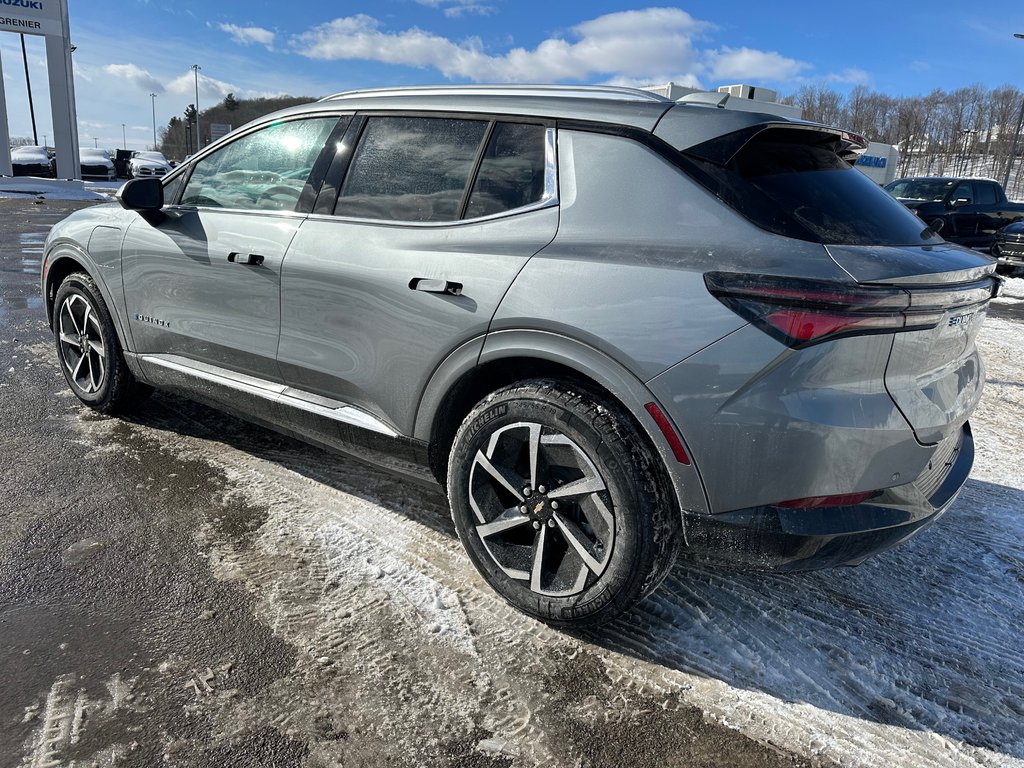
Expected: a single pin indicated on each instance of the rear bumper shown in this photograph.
(774, 538)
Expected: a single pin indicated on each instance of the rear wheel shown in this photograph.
(559, 503)
(88, 349)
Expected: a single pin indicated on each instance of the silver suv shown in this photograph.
(613, 325)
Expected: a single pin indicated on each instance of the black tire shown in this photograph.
(580, 436)
(88, 349)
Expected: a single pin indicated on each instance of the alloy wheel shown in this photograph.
(543, 512)
(81, 344)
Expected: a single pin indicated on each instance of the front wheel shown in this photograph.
(560, 504)
(89, 351)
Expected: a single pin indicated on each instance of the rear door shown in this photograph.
(202, 283)
(408, 256)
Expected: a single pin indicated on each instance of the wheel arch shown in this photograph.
(511, 356)
(68, 258)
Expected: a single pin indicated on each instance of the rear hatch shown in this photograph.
(797, 179)
(934, 375)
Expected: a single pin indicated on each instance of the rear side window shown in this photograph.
(793, 182)
(512, 170)
(411, 169)
(986, 193)
(264, 170)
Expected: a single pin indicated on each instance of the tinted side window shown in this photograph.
(963, 191)
(411, 169)
(986, 193)
(512, 172)
(265, 170)
(171, 188)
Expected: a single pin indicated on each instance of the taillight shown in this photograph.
(800, 312)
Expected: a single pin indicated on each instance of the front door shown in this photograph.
(203, 282)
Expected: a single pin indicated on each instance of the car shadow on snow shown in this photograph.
(925, 637)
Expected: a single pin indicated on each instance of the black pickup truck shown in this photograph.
(971, 210)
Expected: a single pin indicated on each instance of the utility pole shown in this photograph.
(124, 137)
(152, 97)
(195, 71)
(28, 87)
(1016, 136)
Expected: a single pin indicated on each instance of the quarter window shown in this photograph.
(411, 169)
(512, 171)
(265, 170)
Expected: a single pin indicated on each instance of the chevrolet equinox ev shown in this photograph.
(613, 325)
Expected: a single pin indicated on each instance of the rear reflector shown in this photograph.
(669, 432)
(816, 502)
(801, 312)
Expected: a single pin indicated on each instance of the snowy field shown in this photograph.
(913, 659)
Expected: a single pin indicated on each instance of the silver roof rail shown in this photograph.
(568, 91)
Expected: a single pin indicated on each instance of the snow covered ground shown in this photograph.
(48, 189)
(916, 658)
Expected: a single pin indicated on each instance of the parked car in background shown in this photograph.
(970, 210)
(598, 317)
(1009, 247)
(96, 164)
(150, 164)
(33, 161)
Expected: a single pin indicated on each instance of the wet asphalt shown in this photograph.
(112, 623)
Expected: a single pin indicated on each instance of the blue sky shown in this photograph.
(128, 49)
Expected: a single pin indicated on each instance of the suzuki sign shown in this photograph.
(48, 18)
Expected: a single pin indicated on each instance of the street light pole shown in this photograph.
(195, 70)
(152, 97)
(1016, 135)
(124, 137)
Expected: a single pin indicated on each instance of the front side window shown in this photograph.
(265, 170)
(411, 169)
(963, 192)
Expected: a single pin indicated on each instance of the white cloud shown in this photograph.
(653, 44)
(209, 89)
(750, 64)
(136, 76)
(249, 35)
(849, 76)
(455, 8)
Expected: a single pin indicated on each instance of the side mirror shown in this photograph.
(141, 195)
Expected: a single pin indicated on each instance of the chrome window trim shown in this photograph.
(549, 198)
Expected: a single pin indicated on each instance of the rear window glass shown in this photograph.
(512, 170)
(411, 169)
(793, 183)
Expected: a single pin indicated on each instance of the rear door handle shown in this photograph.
(435, 286)
(253, 259)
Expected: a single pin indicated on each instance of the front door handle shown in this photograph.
(436, 286)
(253, 259)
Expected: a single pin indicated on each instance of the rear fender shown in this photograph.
(589, 363)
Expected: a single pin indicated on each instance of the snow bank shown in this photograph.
(48, 189)
(1013, 288)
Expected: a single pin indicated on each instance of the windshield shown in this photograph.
(793, 183)
(921, 189)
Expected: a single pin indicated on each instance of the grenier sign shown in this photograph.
(31, 17)
(48, 18)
